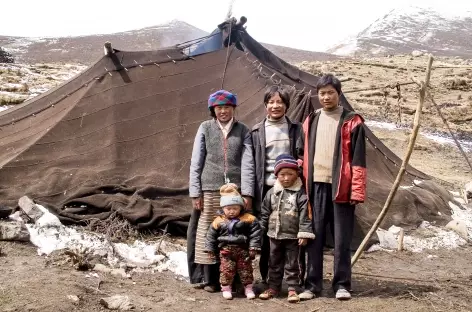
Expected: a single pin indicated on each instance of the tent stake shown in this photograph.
(400, 240)
(396, 184)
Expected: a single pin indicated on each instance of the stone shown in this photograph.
(101, 268)
(116, 272)
(30, 208)
(13, 231)
(117, 302)
(119, 273)
(73, 298)
(459, 227)
(468, 190)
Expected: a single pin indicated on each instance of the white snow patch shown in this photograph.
(5, 107)
(438, 138)
(427, 236)
(382, 125)
(347, 48)
(447, 139)
(48, 234)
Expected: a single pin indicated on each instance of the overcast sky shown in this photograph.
(303, 24)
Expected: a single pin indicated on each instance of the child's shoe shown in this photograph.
(268, 294)
(249, 292)
(293, 296)
(226, 290)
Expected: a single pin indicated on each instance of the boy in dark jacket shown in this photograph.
(237, 236)
(284, 217)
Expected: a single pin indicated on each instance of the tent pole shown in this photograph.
(396, 184)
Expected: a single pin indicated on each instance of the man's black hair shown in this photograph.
(329, 80)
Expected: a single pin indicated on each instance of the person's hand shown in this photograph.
(211, 255)
(252, 254)
(248, 202)
(197, 203)
(302, 241)
(354, 202)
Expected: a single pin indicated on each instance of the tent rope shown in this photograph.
(227, 55)
(459, 146)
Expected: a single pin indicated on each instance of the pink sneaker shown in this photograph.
(249, 292)
(226, 290)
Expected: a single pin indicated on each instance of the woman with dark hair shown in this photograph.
(222, 153)
(273, 136)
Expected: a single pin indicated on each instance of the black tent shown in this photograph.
(118, 136)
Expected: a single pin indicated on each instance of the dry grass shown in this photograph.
(11, 100)
(449, 85)
(115, 228)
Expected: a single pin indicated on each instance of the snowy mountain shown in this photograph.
(413, 28)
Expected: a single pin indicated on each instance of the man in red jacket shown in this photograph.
(334, 168)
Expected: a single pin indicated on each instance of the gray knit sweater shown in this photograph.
(207, 163)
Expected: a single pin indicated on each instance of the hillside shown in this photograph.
(87, 49)
(410, 28)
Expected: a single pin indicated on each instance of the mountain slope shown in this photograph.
(412, 28)
(87, 49)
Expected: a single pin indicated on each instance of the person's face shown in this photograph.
(224, 113)
(287, 177)
(329, 97)
(232, 211)
(276, 107)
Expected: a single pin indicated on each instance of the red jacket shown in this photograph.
(349, 159)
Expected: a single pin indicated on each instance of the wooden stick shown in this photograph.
(400, 240)
(396, 184)
(464, 194)
(391, 86)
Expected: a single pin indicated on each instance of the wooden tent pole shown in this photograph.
(396, 184)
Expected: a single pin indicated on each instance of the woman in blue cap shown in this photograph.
(222, 153)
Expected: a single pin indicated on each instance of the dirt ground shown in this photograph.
(382, 281)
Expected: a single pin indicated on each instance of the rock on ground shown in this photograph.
(117, 302)
(13, 231)
(459, 227)
(468, 190)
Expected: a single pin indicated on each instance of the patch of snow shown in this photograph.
(438, 138)
(48, 234)
(177, 263)
(447, 139)
(427, 236)
(5, 107)
(428, 36)
(381, 125)
(347, 48)
(139, 253)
